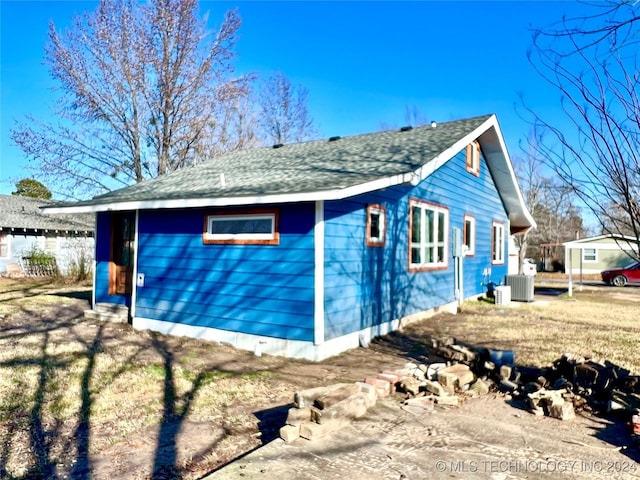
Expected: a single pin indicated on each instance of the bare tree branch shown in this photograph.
(592, 61)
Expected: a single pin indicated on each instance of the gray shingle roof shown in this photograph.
(302, 167)
(24, 212)
(322, 170)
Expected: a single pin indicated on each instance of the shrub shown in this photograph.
(37, 262)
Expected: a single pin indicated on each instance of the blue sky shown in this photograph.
(363, 62)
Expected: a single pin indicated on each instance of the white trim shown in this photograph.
(287, 348)
(620, 238)
(595, 254)
(134, 280)
(469, 250)
(95, 262)
(624, 245)
(241, 236)
(423, 245)
(8, 237)
(318, 277)
(498, 260)
(336, 194)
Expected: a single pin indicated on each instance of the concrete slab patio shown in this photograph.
(485, 437)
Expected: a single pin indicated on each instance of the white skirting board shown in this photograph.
(286, 348)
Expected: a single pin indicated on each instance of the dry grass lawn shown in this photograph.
(82, 399)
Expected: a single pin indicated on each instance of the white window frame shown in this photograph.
(469, 250)
(53, 240)
(270, 238)
(6, 241)
(497, 243)
(423, 245)
(590, 260)
(473, 158)
(378, 241)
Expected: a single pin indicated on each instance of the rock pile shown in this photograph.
(455, 371)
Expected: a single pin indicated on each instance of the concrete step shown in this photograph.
(112, 308)
(105, 316)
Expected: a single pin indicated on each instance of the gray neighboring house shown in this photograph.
(23, 226)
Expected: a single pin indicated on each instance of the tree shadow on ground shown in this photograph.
(84, 294)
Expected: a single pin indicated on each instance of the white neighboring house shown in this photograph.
(23, 226)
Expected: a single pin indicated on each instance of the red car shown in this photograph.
(621, 276)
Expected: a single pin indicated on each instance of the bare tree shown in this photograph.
(413, 116)
(595, 146)
(142, 89)
(283, 112)
(552, 204)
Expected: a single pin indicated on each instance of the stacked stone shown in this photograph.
(322, 410)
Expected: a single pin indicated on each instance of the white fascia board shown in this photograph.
(613, 237)
(318, 283)
(335, 194)
(504, 170)
(600, 246)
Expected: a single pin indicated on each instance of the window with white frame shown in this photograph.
(473, 158)
(497, 243)
(51, 244)
(428, 229)
(242, 227)
(469, 235)
(589, 255)
(376, 225)
(4, 245)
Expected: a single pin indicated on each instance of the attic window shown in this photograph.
(333, 139)
(278, 145)
(406, 129)
(473, 158)
(376, 225)
(242, 227)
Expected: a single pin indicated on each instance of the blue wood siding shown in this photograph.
(256, 289)
(366, 286)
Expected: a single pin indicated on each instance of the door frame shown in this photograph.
(118, 217)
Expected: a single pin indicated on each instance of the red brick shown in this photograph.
(381, 385)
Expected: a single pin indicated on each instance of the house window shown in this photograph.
(473, 158)
(4, 246)
(376, 225)
(469, 235)
(51, 244)
(428, 227)
(242, 227)
(589, 255)
(497, 243)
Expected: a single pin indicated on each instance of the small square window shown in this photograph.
(469, 235)
(473, 158)
(589, 255)
(376, 225)
(242, 227)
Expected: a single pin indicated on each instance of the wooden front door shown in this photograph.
(121, 267)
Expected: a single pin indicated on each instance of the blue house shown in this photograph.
(304, 250)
